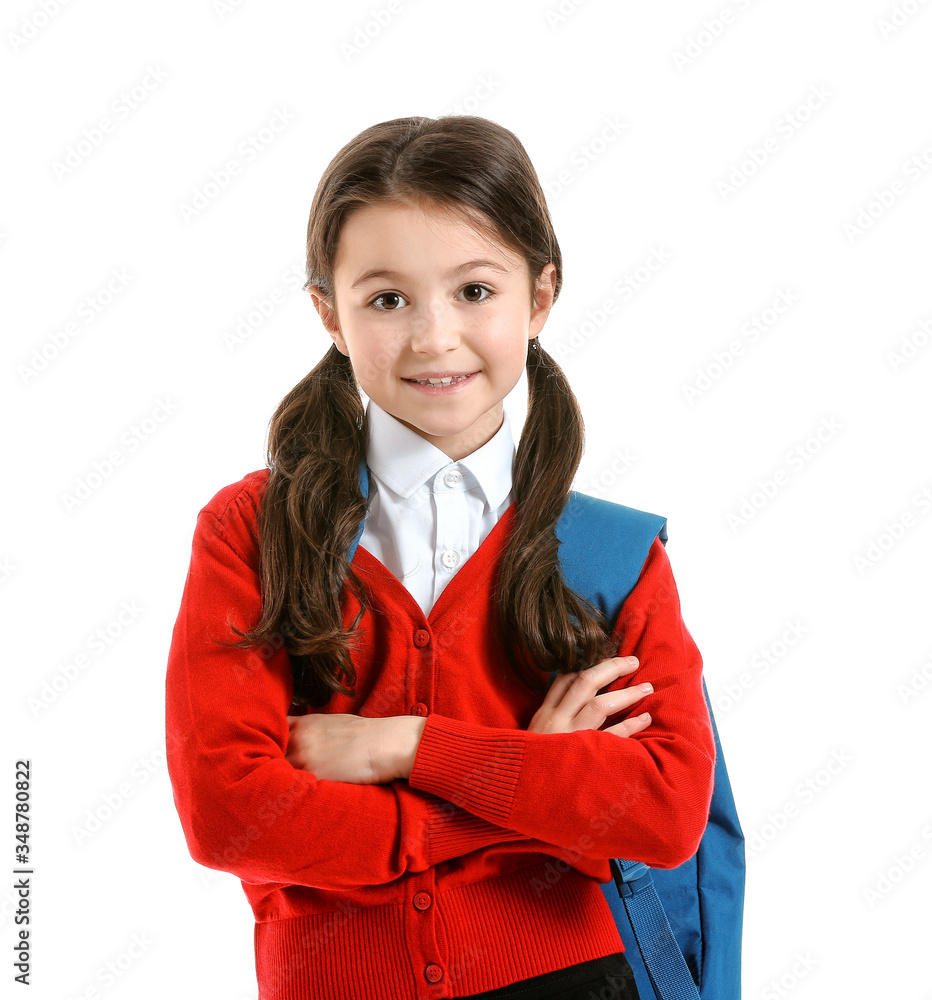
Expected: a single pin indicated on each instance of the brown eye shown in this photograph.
(386, 306)
(478, 289)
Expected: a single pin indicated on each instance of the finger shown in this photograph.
(630, 726)
(569, 693)
(630, 663)
(557, 690)
(594, 713)
(586, 684)
(613, 702)
(613, 666)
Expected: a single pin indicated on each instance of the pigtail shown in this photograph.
(310, 513)
(546, 624)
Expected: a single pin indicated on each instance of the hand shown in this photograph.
(572, 702)
(352, 748)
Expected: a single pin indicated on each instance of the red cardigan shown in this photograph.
(480, 870)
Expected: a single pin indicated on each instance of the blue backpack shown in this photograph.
(681, 927)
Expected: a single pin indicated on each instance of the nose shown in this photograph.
(434, 328)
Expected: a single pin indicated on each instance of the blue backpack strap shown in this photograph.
(703, 905)
(603, 546)
(707, 892)
(602, 551)
(658, 962)
(364, 486)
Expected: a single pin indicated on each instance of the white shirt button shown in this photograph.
(453, 478)
(450, 558)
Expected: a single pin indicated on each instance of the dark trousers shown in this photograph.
(608, 978)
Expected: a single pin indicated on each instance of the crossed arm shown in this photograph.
(362, 750)
(260, 795)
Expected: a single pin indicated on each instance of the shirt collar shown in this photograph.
(403, 461)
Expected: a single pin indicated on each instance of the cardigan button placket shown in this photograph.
(422, 913)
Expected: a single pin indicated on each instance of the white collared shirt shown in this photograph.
(427, 513)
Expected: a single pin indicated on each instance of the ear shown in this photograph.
(326, 308)
(543, 299)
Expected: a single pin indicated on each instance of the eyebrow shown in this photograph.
(468, 266)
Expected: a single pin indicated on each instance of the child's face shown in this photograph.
(433, 314)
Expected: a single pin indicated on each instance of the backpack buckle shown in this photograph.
(630, 880)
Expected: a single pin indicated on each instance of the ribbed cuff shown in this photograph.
(476, 767)
(452, 833)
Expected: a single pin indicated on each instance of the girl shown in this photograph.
(413, 811)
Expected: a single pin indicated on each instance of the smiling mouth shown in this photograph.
(449, 380)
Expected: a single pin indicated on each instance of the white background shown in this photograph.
(833, 214)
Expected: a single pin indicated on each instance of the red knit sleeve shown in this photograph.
(644, 797)
(243, 807)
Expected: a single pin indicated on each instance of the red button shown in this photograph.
(434, 973)
(421, 637)
(422, 900)
(419, 709)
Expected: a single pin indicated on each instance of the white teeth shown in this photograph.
(439, 381)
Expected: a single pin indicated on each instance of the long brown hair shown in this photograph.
(313, 505)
